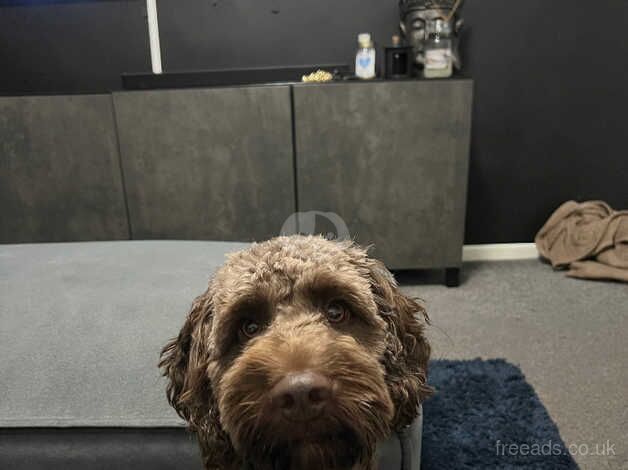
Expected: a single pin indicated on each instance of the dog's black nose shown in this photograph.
(301, 396)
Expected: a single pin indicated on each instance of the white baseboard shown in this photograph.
(499, 252)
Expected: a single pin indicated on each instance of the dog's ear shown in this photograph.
(184, 362)
(407, 350)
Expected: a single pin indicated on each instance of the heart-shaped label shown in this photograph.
(364, 61)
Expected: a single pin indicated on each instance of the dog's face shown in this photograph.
(301, 354)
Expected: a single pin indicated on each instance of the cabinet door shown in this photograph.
(59, 170)
(391, 159)
(207, 163)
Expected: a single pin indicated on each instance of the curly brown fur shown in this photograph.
(219, 379)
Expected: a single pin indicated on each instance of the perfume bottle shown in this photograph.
(365, 57)
(398, 59)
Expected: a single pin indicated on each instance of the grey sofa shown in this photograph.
(82, 325)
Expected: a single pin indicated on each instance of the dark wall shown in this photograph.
(550, 91)
(249, 33)
(70, 46)
(549, 114)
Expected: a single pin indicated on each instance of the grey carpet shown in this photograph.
(481, 407)
(568, 336)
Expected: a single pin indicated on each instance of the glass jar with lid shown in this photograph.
(438, 50)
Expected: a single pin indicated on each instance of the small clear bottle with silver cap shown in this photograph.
(365, 57)
(438, 50)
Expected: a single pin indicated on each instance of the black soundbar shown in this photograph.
(228, 77)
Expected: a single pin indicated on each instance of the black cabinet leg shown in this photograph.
(452, 277)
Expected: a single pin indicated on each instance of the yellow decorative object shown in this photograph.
(317, 77)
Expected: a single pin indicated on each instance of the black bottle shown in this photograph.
(398, 60)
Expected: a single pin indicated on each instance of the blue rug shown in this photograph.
(485, 415)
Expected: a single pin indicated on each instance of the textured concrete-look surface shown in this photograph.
(569, 337)
(59, 170)
(391, 158)
(207, 163)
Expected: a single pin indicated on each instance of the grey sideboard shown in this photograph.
(60, 170)
(390, 158)
(209, 164)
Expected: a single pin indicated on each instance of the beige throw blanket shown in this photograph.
(589, 238)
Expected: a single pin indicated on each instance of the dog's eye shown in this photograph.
(250, 328)
(337, 312)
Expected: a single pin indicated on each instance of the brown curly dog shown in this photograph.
(301, 354)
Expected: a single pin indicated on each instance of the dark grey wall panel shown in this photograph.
(71, 46)
(59, 170)
(207, 163)
(548, 126)
(391, 159)
(212, 34)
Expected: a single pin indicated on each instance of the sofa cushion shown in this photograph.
(83, 325)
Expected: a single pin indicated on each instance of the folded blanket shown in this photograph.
(589, 238)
